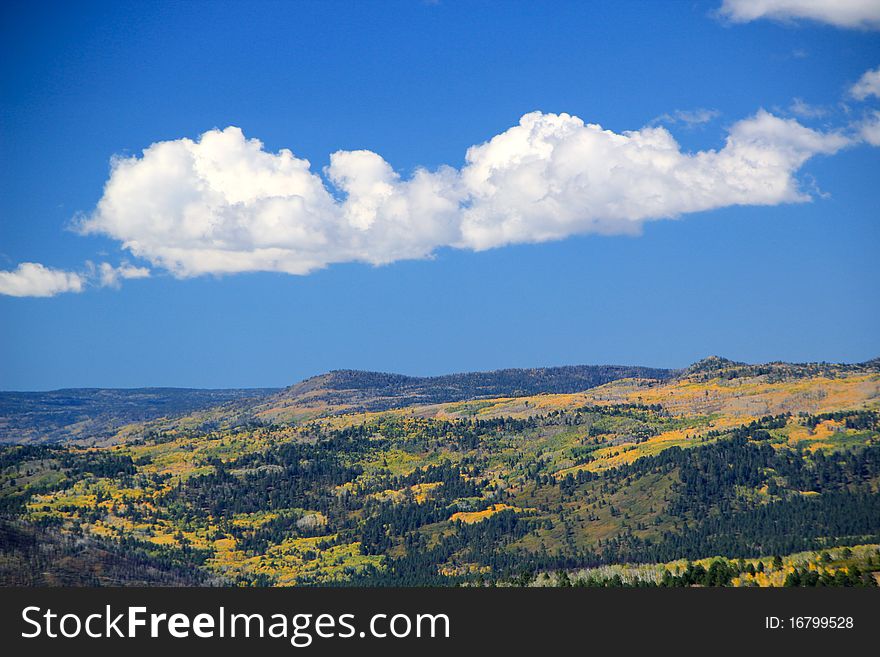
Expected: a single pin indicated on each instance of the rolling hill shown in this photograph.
(719, 474)
(93, 415)
(352, 390)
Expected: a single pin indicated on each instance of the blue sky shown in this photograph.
(636, 270)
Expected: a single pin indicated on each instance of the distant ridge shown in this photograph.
(376, 391)
(356, 390)
(718, 367)
(94, 414)
(712, 364)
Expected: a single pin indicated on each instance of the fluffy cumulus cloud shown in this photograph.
(31, 279)
(859, 14)
(868, 85)
(223, 204)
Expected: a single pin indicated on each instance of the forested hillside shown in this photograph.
(723, 474)
(351, 390)
(94, 415)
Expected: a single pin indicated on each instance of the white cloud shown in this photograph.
(223, 204)
(860, 14)
(869, 129)
(800, 107)
(689, 118)
(110, 276)
(868, 85)
(31, 279)
(554, 176)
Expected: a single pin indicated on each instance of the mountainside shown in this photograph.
(714, 366)
(93, 415)
(351, 390)
(97, 413)
(720, 474)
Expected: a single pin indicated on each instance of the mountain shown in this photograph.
(94, 414)
(720, 474)
(353, 390)
(97, 415)
(715, 366)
